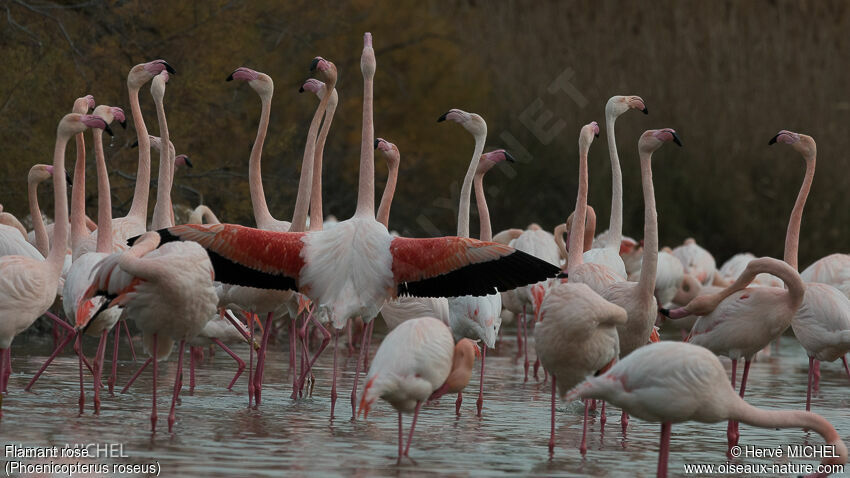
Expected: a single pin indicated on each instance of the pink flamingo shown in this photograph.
(693, 387)
(417, 360)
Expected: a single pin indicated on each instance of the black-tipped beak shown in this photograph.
(314, 64)
(169, 68)
(301, 89)
(188, 162)
(676, 139)
(108, 130)
(377, 142)
(123, 124)
(563, 275)
(68, 178)
(596, 135)
(772, 140)
(229, 77)
(442, 117)
(509, 158)
(135, 144)
(645, 110)
(664, 312)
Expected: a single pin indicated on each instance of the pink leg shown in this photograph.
(82, 400)
(98, 367)
(129, 338)
(113, 374)
(239, 361)
(350, 334)
(664, 452)
(536, 369)
(734, 373)
(816, 384)
(68, 338)
(846, 369)
(552, 429)
(624, 421)
(743, 389)
(368, 330)
(525, 342)
(333, 385)
(480, 403)
(592, 404)
(602, 417)
(292, 347)
(3, 384)
(545, 376)
(325, 341)
(153, 389)
(458, 402)
(5, 358)
(261, 361)
(178, 384)
(400, 439)
(519, 337)
(136, 375)
(412, 426)
(809, 388)
(191, 370)
(583, 447)
(357, 378)
(250, 319)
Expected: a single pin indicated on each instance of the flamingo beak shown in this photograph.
(772, 140)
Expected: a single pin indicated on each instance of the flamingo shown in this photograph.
(692, 387)
(822, 323)
(697, 262)
(833, 269)
(668, 279)
(417, 360)
(28, 286)
(739, 321)
(732, 268)
(203, 214)
(576, 334)
(13, 236)
(320, 89)
(353, 268)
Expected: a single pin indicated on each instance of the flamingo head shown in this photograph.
(802, 143)
(83, 104)
(40, 173)
(627, 246)
(182, 160)
(325, 70)
(652, 139)
(158, 85)
(94, 121)
(367, 58)
(472, 122)
(389, 150)
(110, 114)
(156, 144)
(619, 104)
(588, 132)
(259, 82)
(320, 89)
(488, 160)
(144, 72)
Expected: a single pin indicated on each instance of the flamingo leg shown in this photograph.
(178, 384)
(519, 337)
(113, 374)
(78, 349)
(368, 330)
(400, 439)
(743, 389)
(624, 421)
(82, 400)
(333, 384)
(350, 335)
(809, 388)
(592, 404)
(192, 370)
(98, 367)
(250, 321)
(552, 429)
(583, 447)
(325, 341)
(730, 428)
(602, 417)
(480, 403)
(846, 369)
(525, 341)
(816, 383)
(3, 381)
(65, 341)
(239, 361)
(664, 451)
(129, 338)
(292, 351)
(458, 402)
(412, 427)
(153, 390)
(136, 375)
(357, 378)
(261, 361)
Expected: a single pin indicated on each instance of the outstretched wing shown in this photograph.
(457, 266)
(244, 255)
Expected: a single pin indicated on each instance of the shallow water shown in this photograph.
(216, 435)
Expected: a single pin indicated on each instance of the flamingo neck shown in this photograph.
(486, 232)
(792, 237)
(576, 236)
(10, 220)
(42, 241)
(79, 231)
(649, 268)
(316, 215)
(255, 177)
(466, 189)
(139, 207)
(104, 201)
(162, 210)
(305, 182)
(56, 257)
(615, 226)
(387, 196)
(589, 229)
(366, 189)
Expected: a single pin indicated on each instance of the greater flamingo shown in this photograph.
(694, 387)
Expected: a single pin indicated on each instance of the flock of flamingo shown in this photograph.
(592, 303)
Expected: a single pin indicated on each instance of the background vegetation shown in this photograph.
(726, 75)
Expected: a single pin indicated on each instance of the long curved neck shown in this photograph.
(615, 226)
(162, 211)
(42, 241)
(466, 189)
(79, 231)
(580, 214)
(9, 220)
(387, 196)
(305, 183)
(589, 229)
(650, 228)
(366, 188)
(316, 216)
(790, 277)
(792, 237)
(139, 208)
(486, 232)
(255, 177)
(202, 214)
(56, 257)
(104, 201)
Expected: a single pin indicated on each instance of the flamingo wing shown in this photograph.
(245, 256)
(457, 266)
